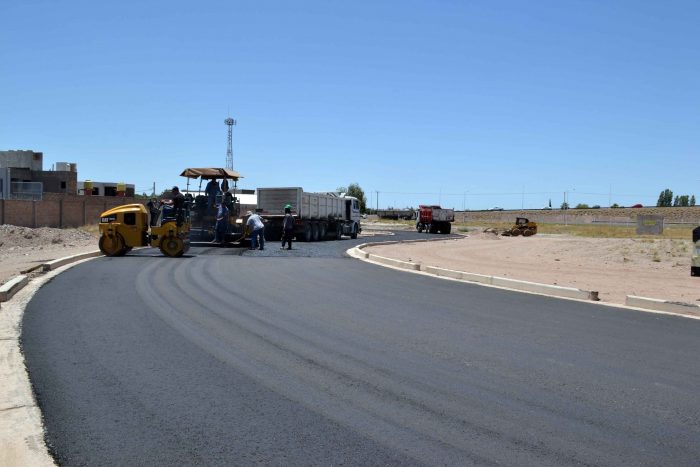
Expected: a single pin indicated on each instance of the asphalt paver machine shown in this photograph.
(203, 209)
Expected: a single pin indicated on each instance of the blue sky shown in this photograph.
(468, 103)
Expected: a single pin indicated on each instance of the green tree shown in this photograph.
(564, 205)
(355, 190)
(665, 198)
(692, 201)
(675, 201)
(582, 206)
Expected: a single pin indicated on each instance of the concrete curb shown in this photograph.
(677, 308)
(11, 287)
(494, 281)
(57, 263)
(21, 428)
(688, 310)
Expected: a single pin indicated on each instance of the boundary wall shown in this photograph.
(58, 210)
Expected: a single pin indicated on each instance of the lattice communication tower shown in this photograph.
(229, 151)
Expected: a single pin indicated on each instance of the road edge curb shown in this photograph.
(686, 310)
(22, 434)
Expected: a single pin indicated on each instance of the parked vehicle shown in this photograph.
(636, 206)
(497, 209)
(522, 226)
(434, 219)
(318, 216)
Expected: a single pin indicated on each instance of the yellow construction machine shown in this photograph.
(127, 226)
(522, 227)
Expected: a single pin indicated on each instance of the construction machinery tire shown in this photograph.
(322, 231)
(446, 229)
(314, 232)
(112, 245)
(353, 235)
(432, 229)
(338, 232)
(529, 232)
(419, 227)
(172, 246)
(516, 232)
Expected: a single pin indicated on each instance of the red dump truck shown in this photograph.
(434, 219)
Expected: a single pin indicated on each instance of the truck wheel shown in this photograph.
(112, 245)
(695, 271)
(338, 232)
(353, 235)
(314, 232)
(307, 232)
(419, 227)
(322, 230)
(432, 229)
(446, 229)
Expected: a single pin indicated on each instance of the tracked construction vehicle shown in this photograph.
(434, 219)
(317, 216)
(695, 260)
(128, 226)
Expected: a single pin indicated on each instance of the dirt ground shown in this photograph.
(615, 267)
(22, 248)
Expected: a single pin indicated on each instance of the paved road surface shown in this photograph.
(231, 357)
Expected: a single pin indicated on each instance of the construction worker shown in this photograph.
(221, 221)
(287, 227)
(212, 190)
(255, 223)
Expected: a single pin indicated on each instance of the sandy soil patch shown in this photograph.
(655, 268)
(22, 248)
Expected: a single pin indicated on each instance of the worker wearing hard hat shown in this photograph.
(287, 227)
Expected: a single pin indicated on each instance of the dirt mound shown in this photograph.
(22, 248)
(12, 236)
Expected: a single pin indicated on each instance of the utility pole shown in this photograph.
(377, 200)
(154, 189)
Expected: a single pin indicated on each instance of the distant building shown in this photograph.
(106, 188)
(22, 176)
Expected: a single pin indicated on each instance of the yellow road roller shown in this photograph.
(127, 226)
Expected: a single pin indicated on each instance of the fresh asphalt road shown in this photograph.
(233, 357)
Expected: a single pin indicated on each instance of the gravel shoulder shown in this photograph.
(654, 268)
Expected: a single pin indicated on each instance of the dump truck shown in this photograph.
(695, 259)
(434, 219)
(317, 216)
(128, 226)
